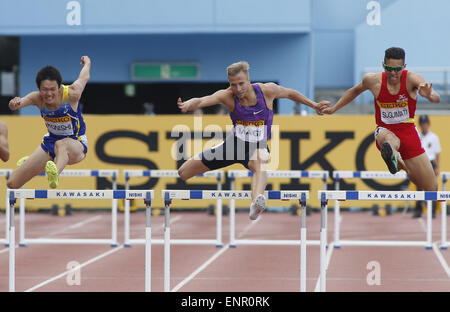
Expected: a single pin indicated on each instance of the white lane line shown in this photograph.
(200, 268)
(438, 254)
(76, 225)
(214, 257)
(441, 259)
(89, 220)
(103, 255)
(422, 224)
(329, 254)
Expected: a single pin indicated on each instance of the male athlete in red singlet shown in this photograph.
(395, 92)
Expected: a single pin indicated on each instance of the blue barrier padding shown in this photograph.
(196, 194)
(351, 194)
(94, 173)
(430, 195)
(11, 197)
(274, 195)
(357, 174)
(305, 174)
(146, 173)
(119, 194)
(166, 198)
(148, 198)
(40, 194)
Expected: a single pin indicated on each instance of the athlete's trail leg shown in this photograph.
(192, 167)
(33, 166)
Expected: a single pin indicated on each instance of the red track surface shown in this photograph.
(245, 268)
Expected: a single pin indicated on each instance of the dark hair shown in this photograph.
(48, 73)
(424, 119)
(394, 53)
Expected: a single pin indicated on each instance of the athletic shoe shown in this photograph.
(257, 207)
(52, 174)
(21, 161)
(389, 157)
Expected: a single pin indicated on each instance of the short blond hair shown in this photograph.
(238, 67)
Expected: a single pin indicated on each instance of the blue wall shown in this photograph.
(421, 29)
(334, 49)
(282, 57)
(25, 17)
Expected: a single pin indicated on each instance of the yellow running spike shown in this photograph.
(52, 174)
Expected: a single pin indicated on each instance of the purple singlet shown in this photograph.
(252, 123)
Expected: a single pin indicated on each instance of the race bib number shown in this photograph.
(392, 113)
(250, 131)
(59, 125)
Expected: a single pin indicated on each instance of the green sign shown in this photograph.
(165, 71)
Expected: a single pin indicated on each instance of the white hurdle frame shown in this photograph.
(444, 244)
(168, 195)
(292, 174)
(324, 196)
(105, 173)
(363, 175)
(128, 173)
(6, 173)
(12, 195)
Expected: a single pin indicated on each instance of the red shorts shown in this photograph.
(410, 145)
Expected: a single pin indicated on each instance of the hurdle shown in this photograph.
(293, 174)
(168, 195)
(12, 195)
(6, 173)
(172, 174)
(75, 173)
(363, 175)
(429, 196)
(444, 244)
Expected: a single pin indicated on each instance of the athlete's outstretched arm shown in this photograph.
(32, 98)
(425, 89)
(350, 95)
(209, 100)
(77, 88)
(4, 147)
(278, 92)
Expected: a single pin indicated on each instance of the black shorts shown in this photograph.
(231, 151)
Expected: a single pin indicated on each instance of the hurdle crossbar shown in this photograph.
(217, 174)
(111, 173)
(363, 175)
(168, 195)
(292, 174)
(12, 195)
(444, 244)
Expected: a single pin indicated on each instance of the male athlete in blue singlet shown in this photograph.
(251, 110)
(65, 143)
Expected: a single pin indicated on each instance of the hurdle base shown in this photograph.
(384, 243)
(443, 247)
(159, 241)
(337, 246)
(22, 245)
(114, 245)
(219, 245)
(233, 246)
(274, 242)
(68, 241)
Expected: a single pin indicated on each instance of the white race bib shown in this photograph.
(59, 125)
(393, 113)
(250, 131)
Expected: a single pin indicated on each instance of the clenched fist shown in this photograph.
(14, 104)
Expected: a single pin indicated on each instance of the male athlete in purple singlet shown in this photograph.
(251, 110)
